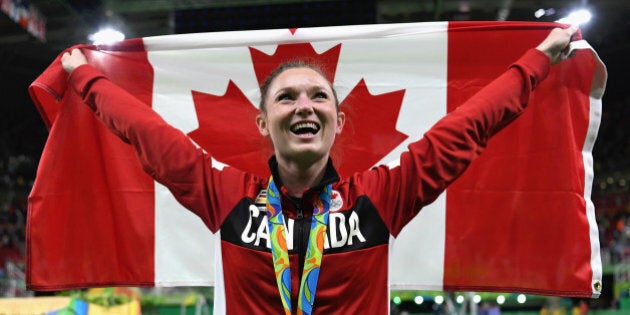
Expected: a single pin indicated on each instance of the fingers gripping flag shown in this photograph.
(520, 219)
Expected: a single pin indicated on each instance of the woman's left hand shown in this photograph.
(557, 42)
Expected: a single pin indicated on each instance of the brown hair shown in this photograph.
(264, 88)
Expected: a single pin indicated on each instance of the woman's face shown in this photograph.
(301, 116)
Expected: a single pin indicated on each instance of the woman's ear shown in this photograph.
(261, 123)
(341, 120)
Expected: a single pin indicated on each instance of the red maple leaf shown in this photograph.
(370, 131)
(264, 64)
(228, 132)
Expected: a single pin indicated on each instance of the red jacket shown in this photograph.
(367, 208)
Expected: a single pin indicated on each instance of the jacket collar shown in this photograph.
(330, 175)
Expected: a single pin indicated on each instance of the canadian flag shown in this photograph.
(520, 219)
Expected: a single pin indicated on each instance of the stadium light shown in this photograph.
(459, 299)
(439, 300)
(544, 12)
(418, 300)
(106, 36)
(477, 298)
(501, 299)
(578, 17)
(521, 298)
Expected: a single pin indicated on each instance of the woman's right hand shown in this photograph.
(73, 59)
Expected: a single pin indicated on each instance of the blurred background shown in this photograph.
(34, 32)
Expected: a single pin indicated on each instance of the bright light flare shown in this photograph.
(500, 299)
(521, 298)
(544, 12)
(418, 300)
(106, 36)
(578, 17)
(439, 300)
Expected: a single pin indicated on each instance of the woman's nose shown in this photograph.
(304, 105)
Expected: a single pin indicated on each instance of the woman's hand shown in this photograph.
(557, 42)
(72, 60)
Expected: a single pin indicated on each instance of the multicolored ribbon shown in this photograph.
(315, 248)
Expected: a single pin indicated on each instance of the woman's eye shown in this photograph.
(321, 95)
(284, 97)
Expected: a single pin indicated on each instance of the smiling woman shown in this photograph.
(322, 244)
(299, 112)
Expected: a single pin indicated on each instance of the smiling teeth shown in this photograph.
(305, 125)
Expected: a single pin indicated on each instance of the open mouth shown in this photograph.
(305, 128)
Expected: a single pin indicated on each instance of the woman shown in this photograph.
(276, 233)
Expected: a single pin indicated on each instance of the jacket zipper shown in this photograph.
(299, 235)
(297, 240)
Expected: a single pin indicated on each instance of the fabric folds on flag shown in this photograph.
(519, 220)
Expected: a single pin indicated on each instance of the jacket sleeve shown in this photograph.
(446, 150)
(166, 153)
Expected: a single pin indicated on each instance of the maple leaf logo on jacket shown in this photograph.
(336, 202)
(227, 129)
